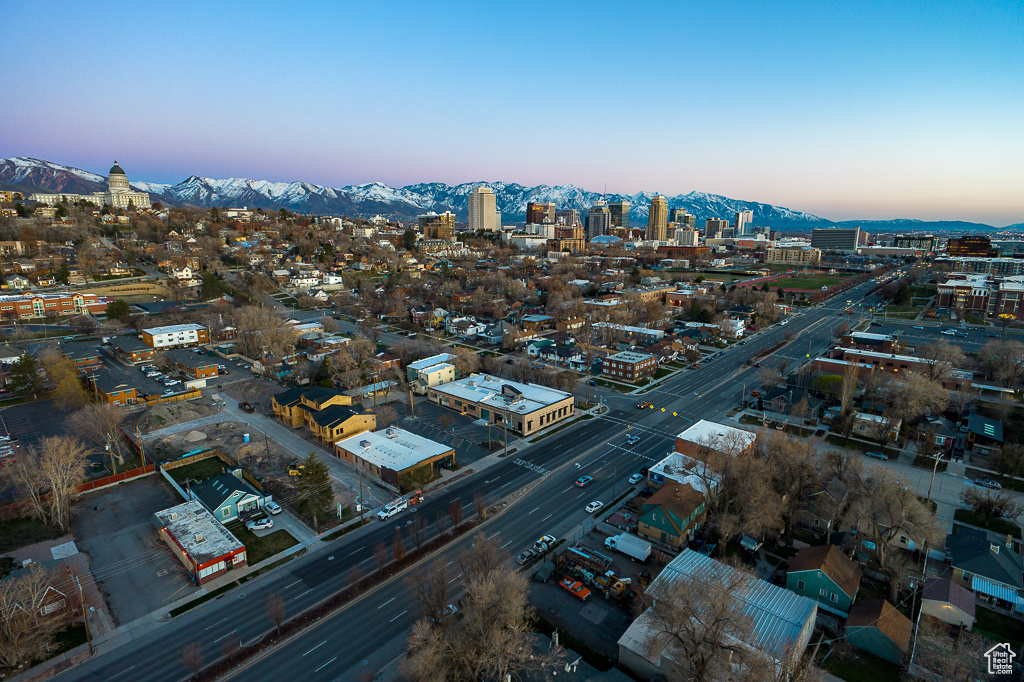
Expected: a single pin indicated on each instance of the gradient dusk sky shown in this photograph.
(843, 109)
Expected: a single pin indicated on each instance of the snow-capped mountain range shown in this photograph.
(403, 203)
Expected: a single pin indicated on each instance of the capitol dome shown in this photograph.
(118, 180)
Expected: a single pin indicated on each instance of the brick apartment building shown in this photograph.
(33, 305)
(176, 335)
(629, 366)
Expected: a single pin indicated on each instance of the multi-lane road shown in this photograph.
(371, 631)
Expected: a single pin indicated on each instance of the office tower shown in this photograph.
(836, 238)
(598, 219)
(714, 227)
(685, 237)
(434, 226)
(743, 219)
(539, 212)
(568, 216)
(620, 213)
(483, 212)
(970, 246)
(925, 242)
(657, 219)
(681, 218)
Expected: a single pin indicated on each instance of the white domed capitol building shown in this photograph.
(119, 194)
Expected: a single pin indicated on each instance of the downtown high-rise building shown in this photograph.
(540, 212)
(845, 239)
(619, 211)
(744, 222)
(598, 219)
(685, 236)
(483, 210)
(437, 226)
(657, 219)
(569, 217)
(714, 228)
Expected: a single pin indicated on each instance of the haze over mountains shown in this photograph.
(405, 203)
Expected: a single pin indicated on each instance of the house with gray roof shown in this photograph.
(989, 565)
(228, 496)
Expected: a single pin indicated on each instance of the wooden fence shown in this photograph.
(116, 478)
(159, 400)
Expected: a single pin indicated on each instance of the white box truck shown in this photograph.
(629, 545)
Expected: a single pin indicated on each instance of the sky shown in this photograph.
(848, 110)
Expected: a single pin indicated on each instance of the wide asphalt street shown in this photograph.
(373, 630)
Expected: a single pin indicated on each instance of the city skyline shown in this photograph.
(861, 112)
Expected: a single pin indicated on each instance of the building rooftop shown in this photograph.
(682, 469)
(431, 361)
(945, 590)
(199, 534)
(393, 448)
(711, 433)
(830, 560)
(630, 357)
(881, 614)
(128, 343)
(502, 394)
(174, 329)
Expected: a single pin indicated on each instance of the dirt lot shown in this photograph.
(255, 391)
(168, 414)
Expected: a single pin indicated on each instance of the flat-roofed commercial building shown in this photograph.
(200, 541)
(799, 255)
(176, 335)
(397, 457)
(526, 408)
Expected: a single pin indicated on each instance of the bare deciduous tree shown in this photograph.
(992, 504)
(192, 658)
(431, 589)
(381, 555)
(275, 608)
(455, 513)
(418, 530)
(398, 546)
(25, 633)
(386, 415)
(101, 424)
(480, 505)
(940, 359)
(441, 521)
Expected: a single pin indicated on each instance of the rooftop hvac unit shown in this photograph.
(199, 537)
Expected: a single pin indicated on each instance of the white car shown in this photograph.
(272, 507)
(594, 506)
(633, 439)
(636, 478)
(260, 524)
(171, 382)
(544, 543)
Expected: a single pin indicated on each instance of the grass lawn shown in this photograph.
(807, 283)
(259, 548)
(862, 667)
(922, 462)
(198, 471)
(998, 627)
(24, 530)
(902, 316)
(604, 383)
(662, 372)
(1001, 526)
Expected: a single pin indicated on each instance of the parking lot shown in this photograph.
(464, 435)
(135, 571)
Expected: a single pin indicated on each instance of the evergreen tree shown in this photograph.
(118, 309)
(314, 494)
(24, 377)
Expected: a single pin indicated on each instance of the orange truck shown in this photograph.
(575, 588)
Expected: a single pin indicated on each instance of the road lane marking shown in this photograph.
(123, 672)
(290, 584)
(453, 580)
(326, 664)
(357, 551)
(386, 603)
(399, 616)
(533, 510)
(546, 518)
(506, 544)
(227, 635)
(303, 594)
(315, 648)
(219, 622)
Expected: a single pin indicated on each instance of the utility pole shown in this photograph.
(615, 478)
(362, 502)
(412, 407)
(85, 618)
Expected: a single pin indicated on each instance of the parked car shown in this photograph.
(544, 543)
(246, 407)
(876, 454)
(750, 544)
(636, 478)
(526, 556)
(594, 506)
(582, 481)
(171, 382)
(272, 507)
(260, 524)
(989, 483)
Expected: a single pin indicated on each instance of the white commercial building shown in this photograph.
(176, 335)
(390, 453)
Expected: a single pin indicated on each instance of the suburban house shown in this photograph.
(205, 547)
(984, 435)
(672, 515)
(397, 457)
(131, 350)
(629, 366)
(876, 626)
(227, 495)
(945, 600)
(876, 426)
(495, 333)
(828, 576)
(533, 348)
(193, 365)
(112, 390)
(560, 355)
(55, 602)
(986, 563)
(782, 622)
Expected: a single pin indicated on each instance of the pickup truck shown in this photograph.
(575, 588)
